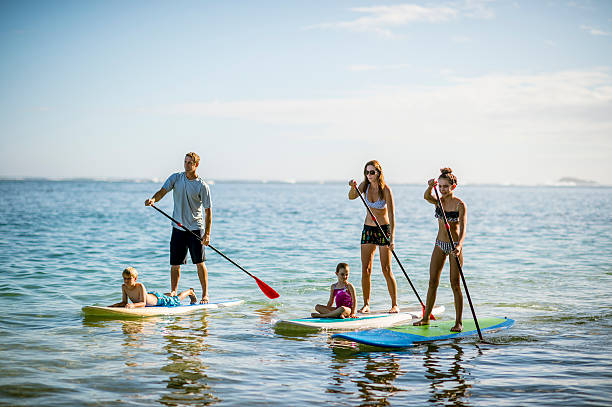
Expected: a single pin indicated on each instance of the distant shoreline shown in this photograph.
(562, 184)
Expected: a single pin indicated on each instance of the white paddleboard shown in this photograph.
(376, 319)
(98, 311)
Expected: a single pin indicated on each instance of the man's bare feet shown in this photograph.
(394, 310)
(204, 300)
(365, 309)
(315, 315)
(458, 327)
(421, 322)
(192, 296)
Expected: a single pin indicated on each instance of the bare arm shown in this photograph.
(207, 225)
(462, 228)
(428, 192)
(124, 298)
(157, 197)
(354, 298)
(142, 294)
(353, 192)
(391, 213)
(330, 302)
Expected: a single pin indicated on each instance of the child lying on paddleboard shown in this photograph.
(141, 298)
(343, 293)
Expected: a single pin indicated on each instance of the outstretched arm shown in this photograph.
(157, 197)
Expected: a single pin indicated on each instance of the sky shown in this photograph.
(505, 92)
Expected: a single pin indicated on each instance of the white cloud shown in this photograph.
(529, 123)
(595, 31)
(365, 67)
(380, 19)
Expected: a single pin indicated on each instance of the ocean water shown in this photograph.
(539, 255)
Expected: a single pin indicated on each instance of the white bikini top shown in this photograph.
(380, 204)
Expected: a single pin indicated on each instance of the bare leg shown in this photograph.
(385, 263)
(367, 256)
(455, 282)
(175, 276)
(438, 257)
(203, 275)
(321, 309)
(340, 312)
(188, 293)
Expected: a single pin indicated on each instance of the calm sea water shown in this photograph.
(542, 256)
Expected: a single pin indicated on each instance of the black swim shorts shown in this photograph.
(372, 235)
(182, 240)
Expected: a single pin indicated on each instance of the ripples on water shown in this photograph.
(538, 255)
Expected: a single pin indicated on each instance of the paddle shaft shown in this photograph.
(389, 242)
(200, 238)
(450, 239)
(265, 288)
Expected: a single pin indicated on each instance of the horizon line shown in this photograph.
(574, 183)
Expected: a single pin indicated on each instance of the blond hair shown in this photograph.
(130, 271)
(194, 157)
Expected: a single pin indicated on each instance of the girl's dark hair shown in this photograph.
(341, 266)
(448, 174)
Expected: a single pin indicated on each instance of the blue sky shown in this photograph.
(502, 91)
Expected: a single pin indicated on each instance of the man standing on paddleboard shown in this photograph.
(191, 201)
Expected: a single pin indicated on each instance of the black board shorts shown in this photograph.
(372, 235)
(180, 242)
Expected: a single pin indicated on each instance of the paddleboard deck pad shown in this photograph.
(98, 311)
(409, 335)
(375, 319)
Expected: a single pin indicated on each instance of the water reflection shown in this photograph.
(447, 375)
(185, 345)
(444, 377)
(266, 314)
(374, 382)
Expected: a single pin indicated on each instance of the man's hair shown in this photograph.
(194, 157)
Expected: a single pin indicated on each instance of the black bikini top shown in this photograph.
(451, 216)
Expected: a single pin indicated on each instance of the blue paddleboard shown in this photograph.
(409, 335)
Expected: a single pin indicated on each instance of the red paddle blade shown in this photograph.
(267, 290)
(430, 316)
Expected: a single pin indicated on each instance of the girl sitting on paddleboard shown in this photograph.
(379, 198)
(456, 214)
(343, 293)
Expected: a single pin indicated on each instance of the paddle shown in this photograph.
(267, 290)
(392, 251)
(450, 238)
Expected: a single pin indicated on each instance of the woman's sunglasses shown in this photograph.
(373, 172)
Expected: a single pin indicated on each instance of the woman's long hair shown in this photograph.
(381, 179)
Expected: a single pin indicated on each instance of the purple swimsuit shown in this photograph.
(343, 297)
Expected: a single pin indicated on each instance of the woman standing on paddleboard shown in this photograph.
(456, 214)
(379, 198)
